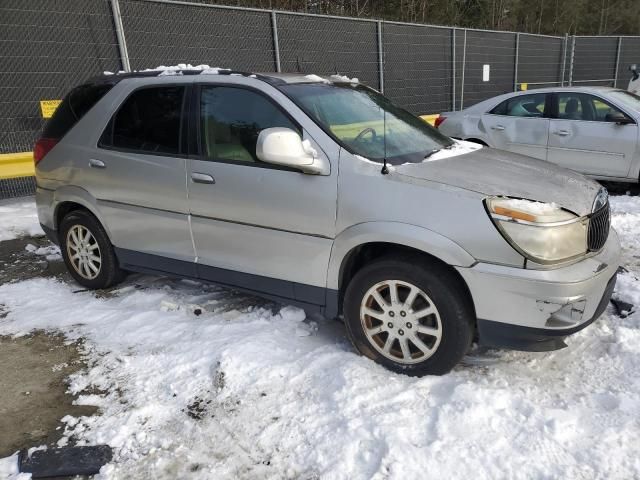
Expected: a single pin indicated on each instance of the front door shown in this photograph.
(256, 225)
(520, 125)
(581, 137)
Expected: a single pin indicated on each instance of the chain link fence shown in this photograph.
(48, 46)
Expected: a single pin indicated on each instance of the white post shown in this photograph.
(122, 43)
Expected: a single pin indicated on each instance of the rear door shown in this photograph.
(583, 139)
(138, 176)
(519, 124)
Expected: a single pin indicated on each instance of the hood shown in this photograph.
(497, 172)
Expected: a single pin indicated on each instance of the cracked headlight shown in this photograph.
(542, 232)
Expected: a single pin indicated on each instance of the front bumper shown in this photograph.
(535, 310)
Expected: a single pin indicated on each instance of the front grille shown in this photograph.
(598, 231)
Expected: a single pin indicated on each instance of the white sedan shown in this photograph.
(593, 130)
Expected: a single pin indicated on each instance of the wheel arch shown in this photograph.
(71, 198)
(367, 241)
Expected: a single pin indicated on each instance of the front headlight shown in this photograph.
(542, 232)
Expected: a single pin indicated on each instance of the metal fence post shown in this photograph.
(615, 75)
(515, 68)
(380, 57)
(276, 42)
(564, 59)
(464, 64)
(453, 69)
(573, 52)
(122, 43)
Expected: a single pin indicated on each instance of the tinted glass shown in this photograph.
(148, 121)
(522, 106)
(367, 123)
(582, 106)
(74, 106)
(231, 120)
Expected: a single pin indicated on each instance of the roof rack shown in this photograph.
(113, 78)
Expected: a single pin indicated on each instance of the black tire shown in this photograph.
(447, 293)
(109, 272)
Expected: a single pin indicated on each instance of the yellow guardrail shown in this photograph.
(14, 165)
(430, 119)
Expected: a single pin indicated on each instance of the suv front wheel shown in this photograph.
(410, 316)
(87, 251)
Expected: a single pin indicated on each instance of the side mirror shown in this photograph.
(619, 118)
(283, 146)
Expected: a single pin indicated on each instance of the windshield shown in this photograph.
(626, 99)
(366, 123)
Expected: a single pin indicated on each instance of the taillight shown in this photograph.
(439, 120)
(42, 147)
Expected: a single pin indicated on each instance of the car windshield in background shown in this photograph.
(367, 123)
(626, 99)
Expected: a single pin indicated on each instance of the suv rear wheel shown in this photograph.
(87, 251)
(410, 316)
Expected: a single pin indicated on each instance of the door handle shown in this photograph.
(561, 133)
(93, 163)
(202, 178)
(497, 127)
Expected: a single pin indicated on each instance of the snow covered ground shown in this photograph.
(18, 218)
(195, 381)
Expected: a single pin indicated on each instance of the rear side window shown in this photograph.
(74, 106)
(522, 106)
(149, 121)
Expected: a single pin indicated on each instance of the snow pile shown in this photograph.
(343, 78)
(18, 218)
(460, 147)
(528, 206)
(177, 69)
(50, 252)
(9, 469)
(334, 78)
(316, 78)
(195, 381)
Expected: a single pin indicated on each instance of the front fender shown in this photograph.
(397, 233)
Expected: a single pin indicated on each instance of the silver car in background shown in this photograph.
(320, 192)
(592, 130)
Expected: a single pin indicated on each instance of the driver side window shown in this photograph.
(582, 106)
(232, 118)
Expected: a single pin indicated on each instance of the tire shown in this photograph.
(74, 241)
(444, 323)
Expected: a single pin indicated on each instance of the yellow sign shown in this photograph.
(523, 87)
(47, 107)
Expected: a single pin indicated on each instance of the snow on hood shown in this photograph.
(460, 147)
(496, 172)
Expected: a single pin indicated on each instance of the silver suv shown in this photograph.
(322, 193)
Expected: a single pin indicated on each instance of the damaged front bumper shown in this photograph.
(535, 310)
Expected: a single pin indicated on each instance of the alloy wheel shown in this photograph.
(83, 252)
(400, 321)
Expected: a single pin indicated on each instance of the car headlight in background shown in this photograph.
(542, 232)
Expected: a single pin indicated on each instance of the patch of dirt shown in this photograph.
(16, 263)
(32, 390)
